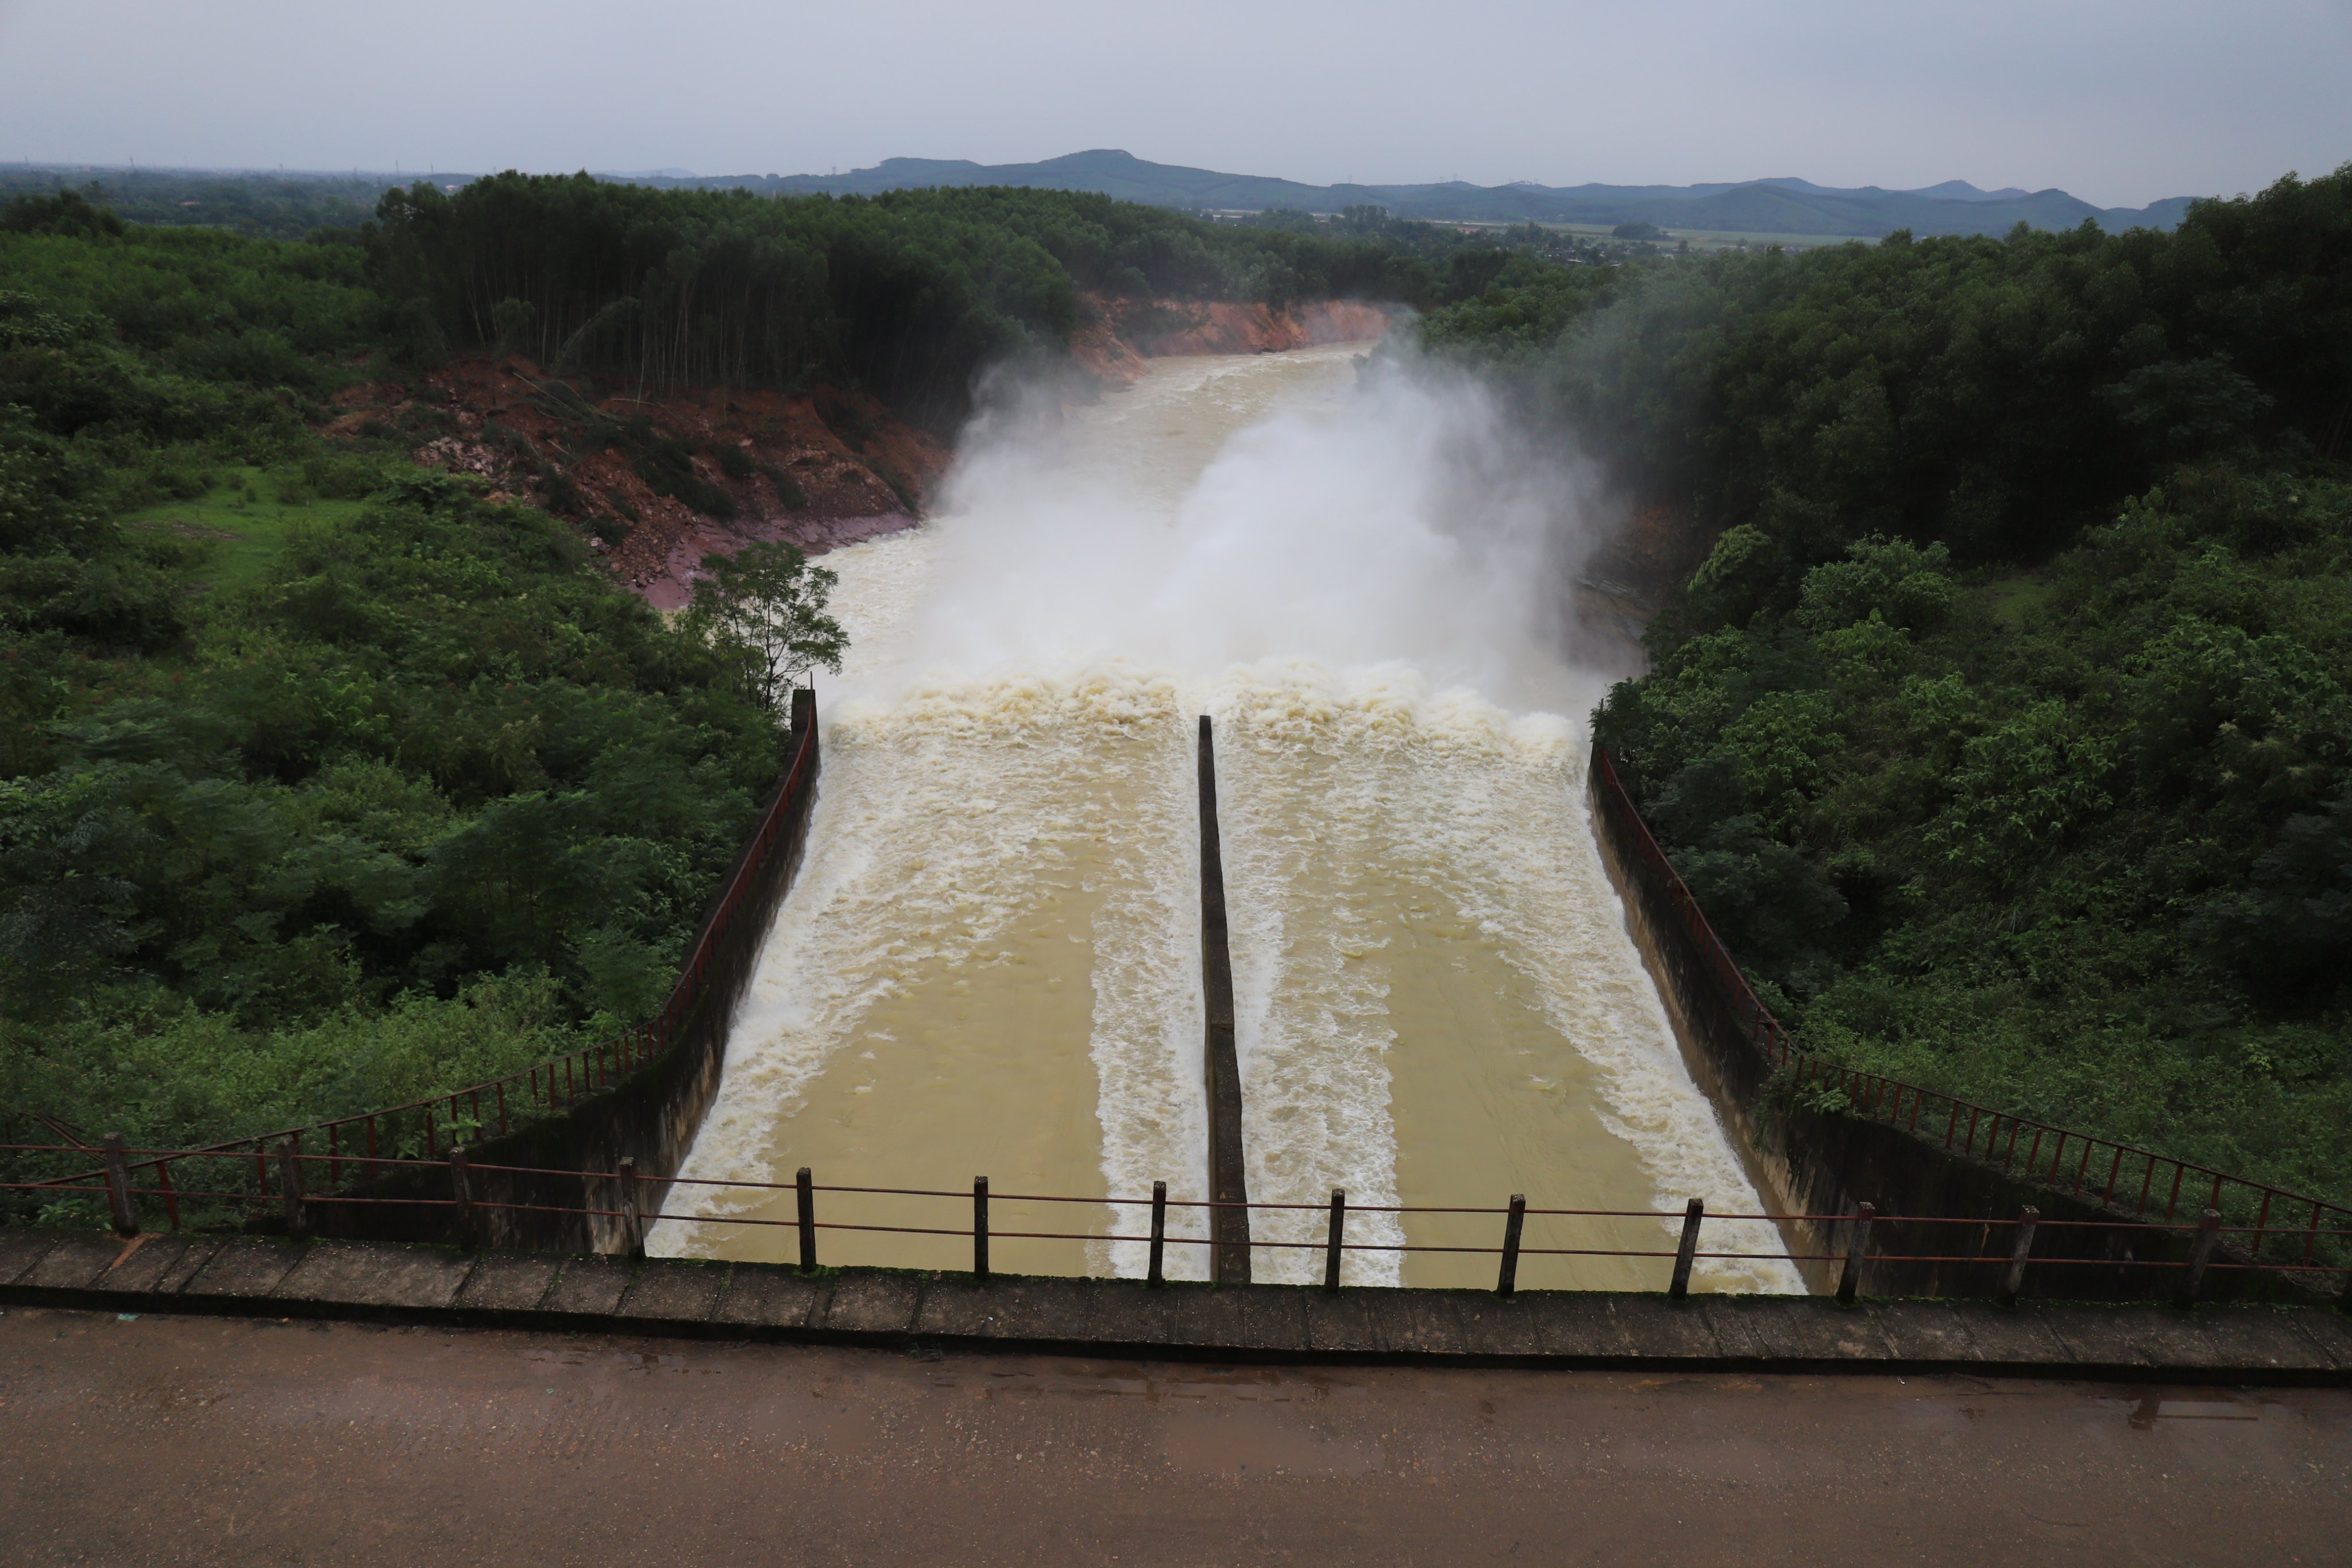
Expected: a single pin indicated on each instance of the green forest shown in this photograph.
(912, 294)
(326, 782)
(2005, 732)
(271, 207)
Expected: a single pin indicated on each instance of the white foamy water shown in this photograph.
(989, 962)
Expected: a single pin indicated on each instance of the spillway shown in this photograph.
(990, 963)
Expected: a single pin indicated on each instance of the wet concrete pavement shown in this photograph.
(202, 1440)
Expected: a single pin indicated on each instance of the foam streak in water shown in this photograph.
(991, 959)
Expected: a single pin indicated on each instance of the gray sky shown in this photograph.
(2119, 102)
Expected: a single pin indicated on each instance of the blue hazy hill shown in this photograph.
(1784, 206)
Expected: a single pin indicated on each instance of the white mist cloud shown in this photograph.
(1357, 581)
(1404, 520)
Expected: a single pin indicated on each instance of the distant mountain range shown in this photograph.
(1788, 207)
(1751, 208)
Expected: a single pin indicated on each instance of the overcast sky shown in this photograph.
(2119, 102)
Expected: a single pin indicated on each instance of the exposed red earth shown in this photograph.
(820, 470)
(1116, 337)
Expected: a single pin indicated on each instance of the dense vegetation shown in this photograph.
(266, 207)
(411, 795)
(324, 781)
(2004, 730)
(2006, 733)
(911, 293)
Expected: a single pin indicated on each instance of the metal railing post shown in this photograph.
(979, 1227)
(806, 1193)
(1693, 1211)
(1332, 1247)
(1509, 1280)
(1154, 1275)
(2200, 1255)
(1857, 1248)
(633, 1216)
(118, 1185)
(290, 1188)
(2020, 1255)
(461, 1188)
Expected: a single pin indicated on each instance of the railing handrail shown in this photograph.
(467, 1200)
(1770, 1035)
(148, 1156)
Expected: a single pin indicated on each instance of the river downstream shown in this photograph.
(990, 963)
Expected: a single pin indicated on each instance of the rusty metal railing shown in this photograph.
(2006, 1246)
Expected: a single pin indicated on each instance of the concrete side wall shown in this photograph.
(651, 1116)
(1811, 1162)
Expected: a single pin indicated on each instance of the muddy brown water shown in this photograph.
(990, 963)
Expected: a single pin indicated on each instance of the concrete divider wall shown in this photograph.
(1229, 1228)
(1808, 1160)
(650, 1116)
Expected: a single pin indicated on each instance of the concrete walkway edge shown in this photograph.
(902, 1309)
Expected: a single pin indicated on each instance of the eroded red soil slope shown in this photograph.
(1115, 337)
(657, 481)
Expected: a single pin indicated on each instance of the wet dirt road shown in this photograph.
(193, 1440)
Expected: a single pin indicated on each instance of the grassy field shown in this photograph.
(247, 516)
(2012, 599)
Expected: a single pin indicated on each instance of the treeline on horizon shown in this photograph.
(2005, 732)
(912, 293)
(253, 203)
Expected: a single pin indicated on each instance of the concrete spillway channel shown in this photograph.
(996, 957)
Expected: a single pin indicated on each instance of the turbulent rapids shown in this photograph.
(990, 964)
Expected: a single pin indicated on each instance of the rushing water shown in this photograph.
(989, 962)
